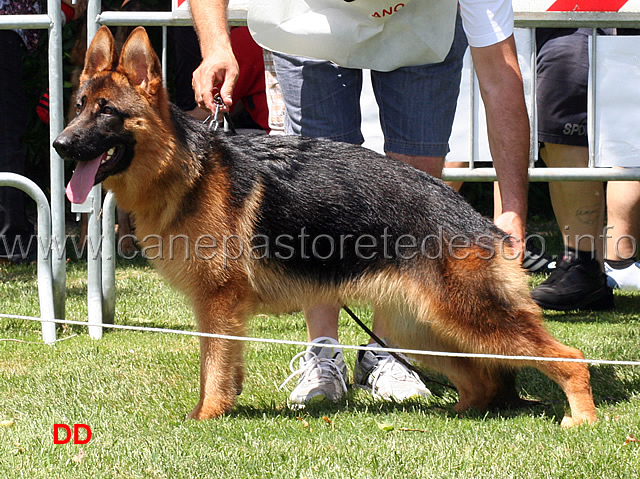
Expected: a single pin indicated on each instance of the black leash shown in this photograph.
(403, 361)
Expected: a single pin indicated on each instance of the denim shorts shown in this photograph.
(417, 104)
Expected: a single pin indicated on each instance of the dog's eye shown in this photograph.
(80, 106)
(107, 110)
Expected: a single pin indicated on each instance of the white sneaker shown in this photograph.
(626, 278)
(386, 377)
(322, 374)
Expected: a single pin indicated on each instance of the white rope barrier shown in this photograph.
(343, 346)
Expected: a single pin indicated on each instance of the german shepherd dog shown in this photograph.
(275, 224)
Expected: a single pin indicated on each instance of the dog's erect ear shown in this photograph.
(101, 54)
(139, 62)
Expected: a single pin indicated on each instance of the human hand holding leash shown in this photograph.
(219, 69)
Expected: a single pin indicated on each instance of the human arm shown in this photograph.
(502, 92)
(219, 65)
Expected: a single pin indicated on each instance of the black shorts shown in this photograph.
(561, 92)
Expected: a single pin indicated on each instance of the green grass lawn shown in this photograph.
(134, 389)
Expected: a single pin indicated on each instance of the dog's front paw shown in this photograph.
(569, 421)
(209, 410)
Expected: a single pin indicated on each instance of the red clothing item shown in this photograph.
(250, 88)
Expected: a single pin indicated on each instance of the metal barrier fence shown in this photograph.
(101, 267)
(45, 276)
(51, 222)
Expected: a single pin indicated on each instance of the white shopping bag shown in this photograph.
(616, 139)
(378, 34)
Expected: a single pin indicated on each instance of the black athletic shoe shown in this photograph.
(537, 261)
(575, 284)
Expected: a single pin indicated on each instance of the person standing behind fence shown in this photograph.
(418, 105)
(15, 228)
(578, 281)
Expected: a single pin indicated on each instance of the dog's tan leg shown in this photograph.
(533, 340)
(476, 387)
(475, 383)
(218, 384)
(478, 382)
(239, 378)
(573, 378)
(126, 242)
(221, 360)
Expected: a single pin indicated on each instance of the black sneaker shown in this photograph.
(576, 283)
(537, 261)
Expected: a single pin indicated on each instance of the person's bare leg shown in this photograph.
(456, 185)
(623, 219)
(622, 234)
(429, 164)
(578, 281)
(322, 321)
(578, 205)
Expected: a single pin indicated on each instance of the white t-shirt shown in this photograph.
(486, 22)
(378, 34)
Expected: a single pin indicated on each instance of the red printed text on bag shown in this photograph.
(387, 11)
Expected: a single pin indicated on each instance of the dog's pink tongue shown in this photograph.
(83, 179)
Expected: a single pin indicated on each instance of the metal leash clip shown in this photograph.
(212, 120)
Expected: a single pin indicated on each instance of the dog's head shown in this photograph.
(117, 101)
